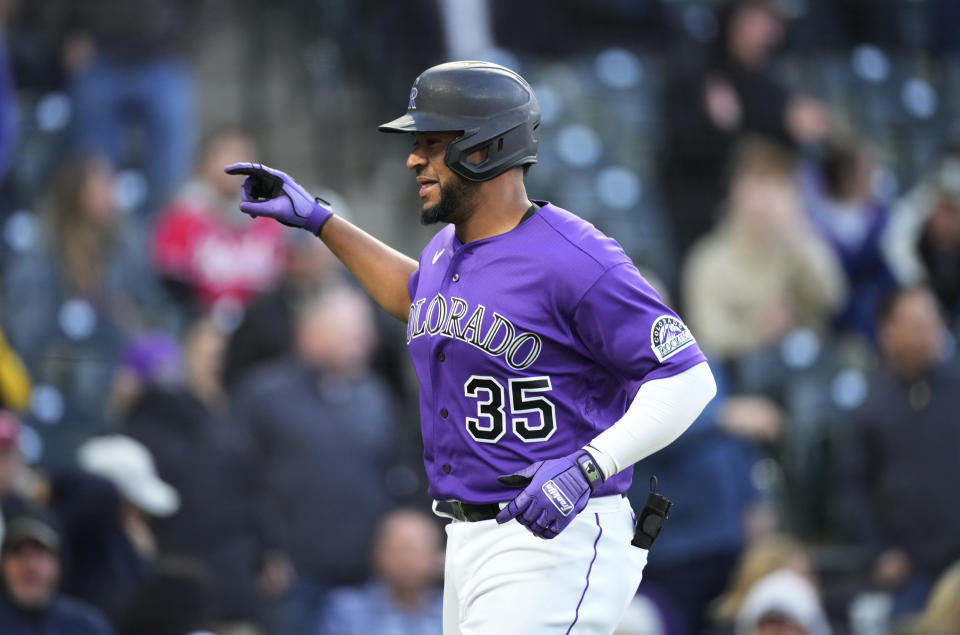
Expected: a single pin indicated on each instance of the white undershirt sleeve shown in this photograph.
(661, 411)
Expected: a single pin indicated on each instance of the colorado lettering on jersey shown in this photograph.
(498, 338)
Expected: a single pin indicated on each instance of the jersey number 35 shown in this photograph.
(490, 424)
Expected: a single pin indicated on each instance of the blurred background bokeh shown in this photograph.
(207, 426)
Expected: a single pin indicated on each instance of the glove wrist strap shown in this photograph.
(590, 470)
(319, 216)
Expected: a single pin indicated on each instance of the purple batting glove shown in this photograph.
(554, 492)
(269, 192)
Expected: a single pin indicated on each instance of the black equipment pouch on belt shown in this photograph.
(651, 518)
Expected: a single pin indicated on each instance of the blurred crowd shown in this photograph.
(205, 426)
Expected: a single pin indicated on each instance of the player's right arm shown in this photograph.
(383, 271)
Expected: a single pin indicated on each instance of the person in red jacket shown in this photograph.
(210, 258)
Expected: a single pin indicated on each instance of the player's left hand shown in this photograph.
(554, 492)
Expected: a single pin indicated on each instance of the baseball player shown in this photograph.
(547, 365)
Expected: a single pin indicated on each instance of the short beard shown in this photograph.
(456, 203)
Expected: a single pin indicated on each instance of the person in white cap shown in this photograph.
(782, 603)
(127, 464)
(105, 508)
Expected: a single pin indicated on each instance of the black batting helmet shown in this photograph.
(493, 107)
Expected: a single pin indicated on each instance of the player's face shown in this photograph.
(446, 196)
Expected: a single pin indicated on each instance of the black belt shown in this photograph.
(472, 513)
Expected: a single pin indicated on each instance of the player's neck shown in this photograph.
(499, 207)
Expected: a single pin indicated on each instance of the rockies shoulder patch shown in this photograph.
(669, 336)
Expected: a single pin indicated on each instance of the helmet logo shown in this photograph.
(413, 98)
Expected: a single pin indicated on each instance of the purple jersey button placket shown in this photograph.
(440, 357)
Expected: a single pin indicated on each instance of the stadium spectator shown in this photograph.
(732, 92)
(105, 510)
(404, 597)
(782, 603)
(127, 464)
(842, 207)
(766, 555)
(85, 284)
(266, 332)
(941, 615)
(901, 450)
(209, 257)
(763, 271)
(176, 600)
(127, 63)
(199, 451)
(924, 239)
(150, 360)
(717, 508)
(29, 602)
(322, 431)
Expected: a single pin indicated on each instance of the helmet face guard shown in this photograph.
(489, 105)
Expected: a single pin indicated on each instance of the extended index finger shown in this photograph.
(244, 168)
(257, 169)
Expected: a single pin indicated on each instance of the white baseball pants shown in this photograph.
(503, 580)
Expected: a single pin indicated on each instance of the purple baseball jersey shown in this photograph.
(527, 345)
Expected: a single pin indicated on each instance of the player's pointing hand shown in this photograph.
(554, 492)
(270, 192)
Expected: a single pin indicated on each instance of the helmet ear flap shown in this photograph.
(483, 149)
(511, 148)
